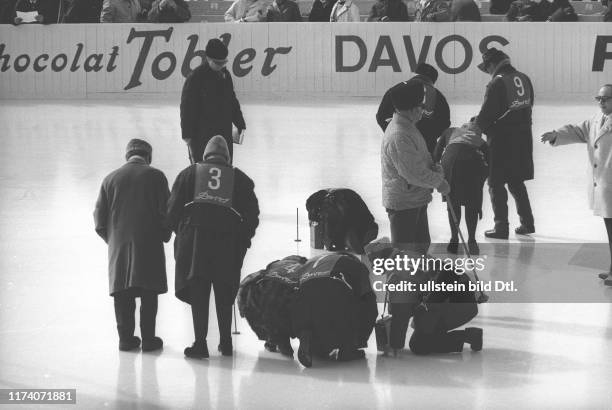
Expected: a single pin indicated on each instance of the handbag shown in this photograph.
(382, 329)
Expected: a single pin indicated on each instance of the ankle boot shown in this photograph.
(129, 343)
(499, 232)
(199, 350)
(473, 336)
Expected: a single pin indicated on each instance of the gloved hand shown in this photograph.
(444, 187)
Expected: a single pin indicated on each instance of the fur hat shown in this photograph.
(407, 95)
(138, 147)
(427, 70)
(217, 147)
(216, 50)
(492, 56)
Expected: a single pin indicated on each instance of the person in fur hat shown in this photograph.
(214, 212)
(130, 217)
(463, 155)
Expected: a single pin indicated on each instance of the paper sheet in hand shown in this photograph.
(27, 17)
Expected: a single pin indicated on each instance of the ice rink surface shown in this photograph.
(57, 326)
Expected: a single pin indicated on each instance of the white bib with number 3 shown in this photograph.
(214, 184)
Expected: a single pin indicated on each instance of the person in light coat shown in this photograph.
(344, 11)
(596, 133)
(247, 11)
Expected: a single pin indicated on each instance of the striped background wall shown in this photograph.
(558, 57)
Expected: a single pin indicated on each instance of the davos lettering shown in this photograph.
(384, 46)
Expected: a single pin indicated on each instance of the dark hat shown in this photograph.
(492, 56)
(217, 147)
(216, 50)
(138, 147)
(407, 95)
(428, 71)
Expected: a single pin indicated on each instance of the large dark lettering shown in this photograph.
(111, 62)
(37, 67)
(59, 67)
(5, 58)
(93, 63)
(468, 54)
(244, 57)
(157, 72)
(268, 68)
(363, 54)
(21, 67)
(484, 43)
(144, 51)
(410, 51)
(75, 62)
(191, 54)
(600, 54)
(384, 42)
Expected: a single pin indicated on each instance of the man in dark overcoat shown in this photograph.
(130, 217)
(214, 212)
(436, 113)
(208, 103)
(505, 117)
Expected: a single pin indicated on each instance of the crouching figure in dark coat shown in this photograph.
(335, 308)
(130, 217)
(214, 212)
(463, 155)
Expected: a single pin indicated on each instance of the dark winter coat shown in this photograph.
(83, 11)
(129, 216)
(393, 10)
(321, 11)
(431, 127)
(168, 14)
(508, 132)
(464, 10)
(528, 10)
(209, 105)
(48, 9)
(211, 241)
(288, 10)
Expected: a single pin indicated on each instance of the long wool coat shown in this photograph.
(129, 215)
(599, 147)
(211, 241)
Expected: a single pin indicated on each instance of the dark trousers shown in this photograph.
(499, 200)
(200, 300)
(197, 146)
(125, 308)
(608, 222)
(471, 220)
(410, 228)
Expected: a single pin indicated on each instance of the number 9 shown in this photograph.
(519, 85)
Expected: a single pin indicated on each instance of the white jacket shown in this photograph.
(599, 146)
(346, 12)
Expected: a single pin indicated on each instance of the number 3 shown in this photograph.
(215, 182)
(519, 85)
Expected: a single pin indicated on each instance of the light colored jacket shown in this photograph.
(408, 171)
(599, 147)
(120, 11)
(346, 12)
(249, 10)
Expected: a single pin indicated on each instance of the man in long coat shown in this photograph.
(129, 216)
(436, 112)
(505, 117)
(208, 103)
(214, 212)
(596, 132)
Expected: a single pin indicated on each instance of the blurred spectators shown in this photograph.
(82, 11)
(242, 11)
(562, 10)
(433, 10)
(464, 10)
(321, 10)
(48, 11)
(607, 13)
(122, 11)
(389, 10)
(169, 11)
(499, 6)
(344, 11)
(283, 10)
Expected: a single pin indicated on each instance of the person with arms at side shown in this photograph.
(596, 133)
(130, 217)
(436, 112)
(505, 117)
(214, 212)
(208, 103)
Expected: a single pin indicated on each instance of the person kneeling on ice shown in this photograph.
(335, 308)
(214, 212)
(435, 314)
(463, 155)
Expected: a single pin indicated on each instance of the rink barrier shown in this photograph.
(358, 59)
